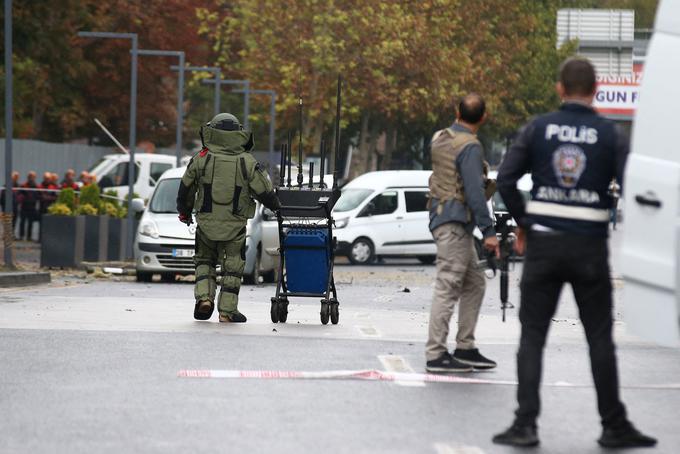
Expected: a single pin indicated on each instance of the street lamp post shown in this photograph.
(133, 123)
(272, 122)
(246, 90)
(9, 131)
(180, 92)
(217, 71)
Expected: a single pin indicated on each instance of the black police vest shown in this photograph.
(573, 160)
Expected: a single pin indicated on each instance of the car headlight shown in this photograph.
(341, 223)
(149, 228)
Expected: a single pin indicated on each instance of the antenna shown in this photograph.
(311, 175)
(300, 177)
(289, 149)
(322, 152)
(337, 133)
(282, 167)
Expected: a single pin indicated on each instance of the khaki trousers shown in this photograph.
(458, 278)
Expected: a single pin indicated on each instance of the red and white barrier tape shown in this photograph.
(375, 375)
(378, 375)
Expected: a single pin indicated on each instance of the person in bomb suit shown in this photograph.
(221, 182)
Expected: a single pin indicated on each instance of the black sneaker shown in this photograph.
(516, 435)
(446, 364)
(473, 358)
(236, 317)
(625, 436)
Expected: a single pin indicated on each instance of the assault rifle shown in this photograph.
(506, 239)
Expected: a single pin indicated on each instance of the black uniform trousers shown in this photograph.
(553, 259)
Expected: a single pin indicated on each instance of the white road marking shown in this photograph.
(395, 363)
(368, 331)
(443, 448)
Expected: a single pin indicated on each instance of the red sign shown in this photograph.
(619, 95)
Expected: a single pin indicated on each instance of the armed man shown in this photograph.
(220, 183)
(572, 155)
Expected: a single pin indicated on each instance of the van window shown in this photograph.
(351, 198)
(415, 201)
(157, 169)
(384, 203)
(117, 176)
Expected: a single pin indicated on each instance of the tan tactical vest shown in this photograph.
(445, 182)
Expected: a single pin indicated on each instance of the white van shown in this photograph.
(385, 214)
(651, 245)
(111, 172)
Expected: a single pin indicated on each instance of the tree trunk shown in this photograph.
(359, 158)
(390, 146)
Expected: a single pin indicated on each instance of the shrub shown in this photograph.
(86, 209)
(89, 195)
(112, 197)
(67, 197)
(109, 209)
(60, 209)
(122, 212)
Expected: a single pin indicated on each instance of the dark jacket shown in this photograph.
(572, 155)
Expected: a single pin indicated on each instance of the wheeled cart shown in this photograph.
(306, 251)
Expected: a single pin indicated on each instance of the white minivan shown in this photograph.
(384, 214)
(650, 256)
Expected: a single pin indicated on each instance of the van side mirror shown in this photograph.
(137, 205)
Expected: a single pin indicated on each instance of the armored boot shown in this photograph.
(205, 287)
(233, 262)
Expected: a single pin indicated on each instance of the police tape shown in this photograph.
(371, 375)
(378, 375)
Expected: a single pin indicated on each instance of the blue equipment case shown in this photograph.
(307, 258)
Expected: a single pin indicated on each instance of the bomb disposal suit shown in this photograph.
(219, 185)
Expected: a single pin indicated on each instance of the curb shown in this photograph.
(24, 278)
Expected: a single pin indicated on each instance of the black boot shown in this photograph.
(625, 436)
(203, 310)
(517, 435)
(235, 317)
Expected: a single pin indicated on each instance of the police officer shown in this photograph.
(572, 155)
(220, 183)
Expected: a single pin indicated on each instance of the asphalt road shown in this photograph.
(92, 365)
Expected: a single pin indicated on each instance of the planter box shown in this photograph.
(96, 238)
(116, 241)
(62, 241)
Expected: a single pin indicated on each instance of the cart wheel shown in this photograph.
(335, 313)
(283, 311)
(274, 311)
(325, 312)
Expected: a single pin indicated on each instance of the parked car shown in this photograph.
(111, 172)
(165, 246)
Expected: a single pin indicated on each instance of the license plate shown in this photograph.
(182, 252)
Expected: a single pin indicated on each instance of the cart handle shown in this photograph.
(292, 207)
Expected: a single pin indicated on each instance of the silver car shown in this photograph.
(165, 246)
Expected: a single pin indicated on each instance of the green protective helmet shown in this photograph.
(225, 122)
(228, 122)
